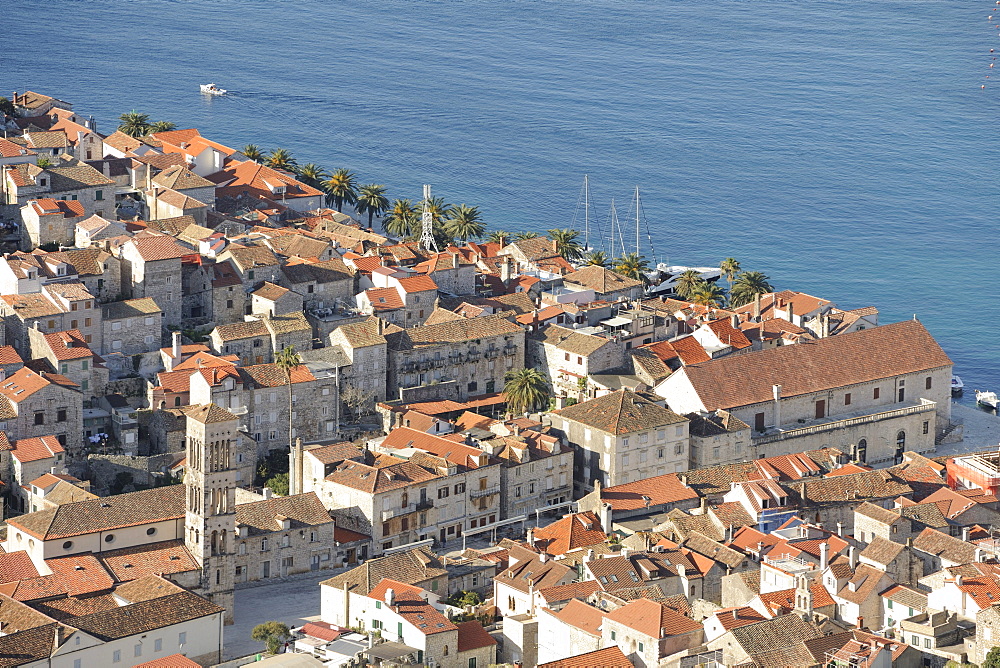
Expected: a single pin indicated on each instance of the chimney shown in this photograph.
(958, 580)
(266, 492)
(736, 615)
(861, 622)
(454, 260)
(852, 557)
(625, 552)
(381, 326)
(840, 529)
(347, 605)
(756, 309)
(590, 555)
(791, 312)
(542, 557)
(965, 534)
(681, 570)
(13, 97)
(824, 325)
(177, 348)
(506, 269)
(531, 537)
(776, 391)
(735, 320)
(606, 517)
(824, 556)
(683, 478)
(59, 637)
(390, 597)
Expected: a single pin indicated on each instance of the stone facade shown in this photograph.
(131, 327)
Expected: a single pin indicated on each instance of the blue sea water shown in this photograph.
(844, 148)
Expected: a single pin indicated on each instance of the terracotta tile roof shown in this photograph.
(911, 598)
(322, 631)
(178, 177)
(689, 350)
(304, 510)
(581, 615)
(255, 179)
(34, 305)
(458, 331)
(16, 566)
(113, 512)
(881, 551)
(9, 149)
(880, 483)
(774, 634)
(76, 175)
(952, 504)
(251, 257)
(783, 601)
(341, 535)
(36, 449)
(161, 558)
(609, 657)
(384, 299)
(47, 139)
(730, 618)
(621, 412)
(571, 532)
(241, 330)
(363, 334)
(659, 490)
(414, 284)
(271, 375)
(270, 291)
(145, 616)
(57, 207)
(814, 366)
(654, 620)
(535, 572)
(68, 345)
(334, 453)
(209, 414)
(411, 567)
(928, 514)
(457, 453)
(727, 334)
(573, 590)
(172, 661)
(601, 280)
(80, 574)
(86, 261)
(570, 340)
(472, 635)
(35, 644)
(376, 480)
(848, 469)
(155, 248)
(701, 544)
(732, 514)
(947, 547)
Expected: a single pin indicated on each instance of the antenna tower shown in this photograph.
(427, 223)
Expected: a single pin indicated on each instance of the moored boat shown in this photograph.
(988, 399)
(957, 385)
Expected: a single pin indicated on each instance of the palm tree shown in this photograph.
(687, 283)
(401, 218)
(730, 267)
(281, 158)
(340, 188)
(312, 174)
(566, 243)
(288, 360)
(499, 237)
(596, 259)
(464, 223)
(747, 286)
(521, 236)
(372, 200)
(525, 389)
(162, 126)
(253, 152)
(632, 265)
(708, 294)
(134, 124)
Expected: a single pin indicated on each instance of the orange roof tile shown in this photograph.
(569, 533)
(658, 490)
(653, 619)
(609, 657)
(35, 449)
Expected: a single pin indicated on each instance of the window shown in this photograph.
(116, 656)
(927, 641)
(472, 662)
(927, 386)
(158, 645)
(443, 492)
(659, 453)
(566, 357)
(875, 393)
(263, 545)
(77, 663)
(60, 415)
(110, 538)
(386, 528)
(916, 641)
(182, 638)
(847, 399)
(460, 488)
(927, 426)
(614, 636)
(758, 422)
(39, 417)
(151, 531)
(902, 395)
(99, 196)
(85, 365)
(138, 649)
(679, 449)
(641, 648)
(86, 322)
(64, 368)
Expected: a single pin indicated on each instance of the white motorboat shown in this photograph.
(957, 385)
(212, 89)
(988, 399)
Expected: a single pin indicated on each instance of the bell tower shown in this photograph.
(210, 482)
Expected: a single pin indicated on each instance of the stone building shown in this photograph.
(98, 270)
(321, 285)
(282, 536)
(131, 327)
(50, 221)
(365, 349)
(42, 404)
(623, 437)
(856, 392)
(70, 356)
(568, 357)
(68, 180)
(151, 267)
(455, 359)
(58, 307)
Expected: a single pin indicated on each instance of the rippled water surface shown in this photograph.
(844, 148)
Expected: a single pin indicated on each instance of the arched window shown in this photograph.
(862, 453)
(445, 652)
(900, 440)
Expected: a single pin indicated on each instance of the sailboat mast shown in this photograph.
(586, 212)
(637, 220)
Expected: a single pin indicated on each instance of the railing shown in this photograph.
(242, 410)
(424, 504)
(398, 512)
(840, 424)
(477, 493)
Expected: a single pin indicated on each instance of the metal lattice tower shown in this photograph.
(427, 223)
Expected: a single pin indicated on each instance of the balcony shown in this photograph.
(240, 410)
(510, 350)
(489, 491)
(425, 504)
(399, 512)
(825, 424)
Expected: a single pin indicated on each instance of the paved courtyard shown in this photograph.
(980, 431)
(294, 602)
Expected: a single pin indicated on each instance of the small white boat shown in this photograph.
(212, 89)
(957, 385)
(988, 399)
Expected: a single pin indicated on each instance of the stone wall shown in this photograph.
(123, 473)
